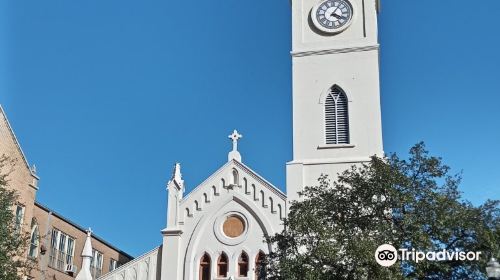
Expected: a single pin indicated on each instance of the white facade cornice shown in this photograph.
(301, 53)
(329, 161)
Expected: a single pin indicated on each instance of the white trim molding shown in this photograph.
(333, 51)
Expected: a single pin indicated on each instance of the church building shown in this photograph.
(217, 231)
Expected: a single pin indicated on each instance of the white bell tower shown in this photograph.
(336, 96)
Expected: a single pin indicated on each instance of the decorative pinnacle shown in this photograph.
(176, 175)
(176, 178)
(87, 248)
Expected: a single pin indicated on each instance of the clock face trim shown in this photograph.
(332, 16)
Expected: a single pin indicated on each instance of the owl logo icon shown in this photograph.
(386, 255)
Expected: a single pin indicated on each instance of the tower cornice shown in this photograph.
(334, 51)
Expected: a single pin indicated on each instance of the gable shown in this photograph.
(236, 180)
(11, 148)
(224, 176)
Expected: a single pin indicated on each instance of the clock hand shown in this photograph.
(337, 16)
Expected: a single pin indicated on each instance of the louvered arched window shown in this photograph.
(336, 117)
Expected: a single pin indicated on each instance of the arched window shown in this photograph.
(188, 213)
(336, 117)
(205, 196)
(271, 205)
(243, 265)
(34, 241)
(255, 195)
(235, 178)
(197, 205)
(214, 189)
(280, 211)
(260, 269)
(205, 267)
(222, 265)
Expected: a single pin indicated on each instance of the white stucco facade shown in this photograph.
(195, 225)
(234, 209)
(198, 226)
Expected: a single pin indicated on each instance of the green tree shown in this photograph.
(334, 231)
(13, 261)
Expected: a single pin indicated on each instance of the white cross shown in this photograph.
(235, 136)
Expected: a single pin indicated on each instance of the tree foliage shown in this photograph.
(13, 261)
(414, 203)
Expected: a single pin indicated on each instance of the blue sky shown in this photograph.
(105, 96)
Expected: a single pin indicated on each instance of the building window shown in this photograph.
(96, 264)
(243, 265)
(336, 117)
(62, 248)
(113, 264)
(19, 217)
(222, 265)
(205, 269)
(34, 240)
(233, 226)
(260, 269)
(235, 178)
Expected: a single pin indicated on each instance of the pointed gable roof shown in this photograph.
(5, 128)
(245, 168)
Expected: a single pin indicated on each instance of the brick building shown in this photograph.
(56, 242)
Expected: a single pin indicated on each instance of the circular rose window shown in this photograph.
(233, 226)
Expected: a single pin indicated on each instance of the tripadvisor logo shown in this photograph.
(386, 255)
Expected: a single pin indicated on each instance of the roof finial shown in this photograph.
(234, 154)
(33, 168)
(84, 273)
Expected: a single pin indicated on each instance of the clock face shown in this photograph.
(332, 16)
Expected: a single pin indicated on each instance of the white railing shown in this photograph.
(141, 268)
